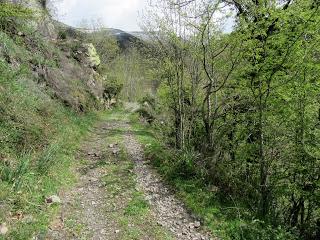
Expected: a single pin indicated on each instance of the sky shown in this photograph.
(120, 14)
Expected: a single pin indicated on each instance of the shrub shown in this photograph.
(62, 34)
(145, 114)
(148, 100)
(257, 230)
(113, 87)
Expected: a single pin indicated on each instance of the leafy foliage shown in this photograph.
(242, 108)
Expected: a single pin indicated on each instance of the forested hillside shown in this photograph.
(242, 111)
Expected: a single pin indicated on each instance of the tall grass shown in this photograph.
(39, 174)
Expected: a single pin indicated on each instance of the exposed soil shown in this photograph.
(166, 208)
(119, 196)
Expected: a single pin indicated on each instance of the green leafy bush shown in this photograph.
(146, 114)
(113, 88)
(256, 229)
(62, 34)
(147, 109)
(148, 99)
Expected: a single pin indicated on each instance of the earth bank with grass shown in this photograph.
(48, 101)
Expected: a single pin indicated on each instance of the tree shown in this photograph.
(247, 101)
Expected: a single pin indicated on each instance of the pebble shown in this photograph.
(3, 229)
(167, 209)
(197, 224)
(53, 199)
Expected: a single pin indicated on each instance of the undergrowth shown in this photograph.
(36, 175)
(227, 218)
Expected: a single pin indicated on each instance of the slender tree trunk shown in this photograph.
(264, 195)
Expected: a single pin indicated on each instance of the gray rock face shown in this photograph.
(76, 83)
(86, 53)
(43, 22)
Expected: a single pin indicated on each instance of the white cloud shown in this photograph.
(122, 14)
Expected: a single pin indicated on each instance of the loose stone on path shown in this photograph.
(167, 209)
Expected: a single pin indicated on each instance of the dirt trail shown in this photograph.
(118, 195)
(167, 209)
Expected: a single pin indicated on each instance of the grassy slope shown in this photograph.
(22, 197)
(38, 136)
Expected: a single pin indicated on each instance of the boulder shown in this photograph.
(3, 229)
(93, 57)
(87, 54)
(53, 199)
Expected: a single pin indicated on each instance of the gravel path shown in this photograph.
(96, 208)
(83, 211)
(168, 211)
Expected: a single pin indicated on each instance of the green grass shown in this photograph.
(38, 140)
(137, 206)
(40, 175)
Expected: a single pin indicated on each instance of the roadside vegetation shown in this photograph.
(227, 218)
(43, 118)
(239, 112)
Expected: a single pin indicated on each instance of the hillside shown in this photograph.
(181, 132)
(126, 39)
(49, 89)
(54, 141)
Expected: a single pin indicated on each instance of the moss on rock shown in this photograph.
(93, 57)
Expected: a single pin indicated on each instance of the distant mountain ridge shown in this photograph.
(125, 39)
(141, 35)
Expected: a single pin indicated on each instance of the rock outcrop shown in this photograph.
(71, 75)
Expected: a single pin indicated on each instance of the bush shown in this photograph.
(146, 114)
(112, 89)
(147, 109)
(257, 229)
(62, 35)
(148, 100)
